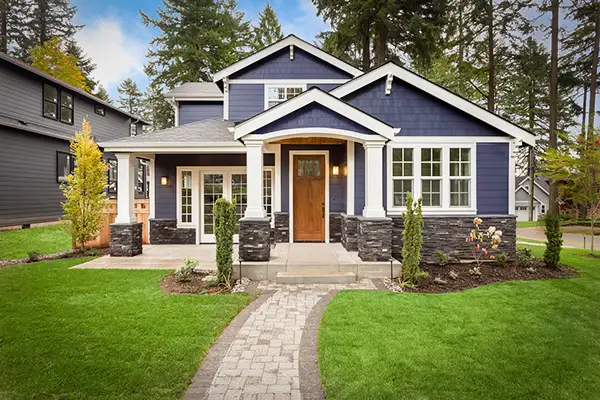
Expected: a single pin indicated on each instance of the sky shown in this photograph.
(115, 38)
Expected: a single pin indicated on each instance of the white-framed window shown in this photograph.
(268, 195)
(402, 175)
(442, 175)
(460, 177)
(275, 94)
(186, 198)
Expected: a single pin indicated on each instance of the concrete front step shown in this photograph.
(316, 277)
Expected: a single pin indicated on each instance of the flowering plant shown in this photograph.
(483, 243)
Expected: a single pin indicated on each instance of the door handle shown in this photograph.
(322, 210)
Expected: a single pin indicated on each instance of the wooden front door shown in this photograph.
(309, 198)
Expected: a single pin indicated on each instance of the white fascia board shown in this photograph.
(288, 81)
(196, 98)
(306, 98)
(267, 51)
(438, 92)
(174, 147)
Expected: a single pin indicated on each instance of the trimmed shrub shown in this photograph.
(441, 258)
(186, 270)
(33, 256)
(225, 219)
(553, 241)
(501, 259)
(524, 256)
(413, 241)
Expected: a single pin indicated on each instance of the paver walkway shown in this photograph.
(263, 359)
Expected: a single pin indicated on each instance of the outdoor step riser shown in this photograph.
(290, 278)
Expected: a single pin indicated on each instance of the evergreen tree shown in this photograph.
(102, 94)
(268, 30)
(44, 20)
(51, 59)
(10, 24)
(341, 46)
(197, 38)
(160, 112)
(131, 98)
(85, 63)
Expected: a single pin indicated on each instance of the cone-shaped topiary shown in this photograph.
(553, 241)
(224, 214)
(413, 241)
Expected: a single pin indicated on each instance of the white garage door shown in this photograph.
(522, 213)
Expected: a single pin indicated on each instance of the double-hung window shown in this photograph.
(460, 177)
(50, 102)
(65, 165)
(402, 175)
(431, 173)
(279, 94)
(66, 108)
(57, 104)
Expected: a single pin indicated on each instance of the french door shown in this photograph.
(231, 185)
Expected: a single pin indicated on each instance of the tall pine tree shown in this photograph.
(131, 98)
(268, 30)
(85, 63)
(102, 94)
(196, 39)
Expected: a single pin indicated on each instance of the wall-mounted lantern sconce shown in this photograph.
(336, 170)
(164, 180)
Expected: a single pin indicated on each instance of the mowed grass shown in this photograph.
(515, 340)
(102, 334)
(529, 224)
(45, 240)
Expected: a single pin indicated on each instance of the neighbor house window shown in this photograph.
(133, 129)
(112, 176)
(431, 171)
(402, 175)
(279, 94)
(100, 110)
(186, 196)
(141, 184)
(50, 102)
(268, 191)
(66, 108)
(64, 166)
(460, 177)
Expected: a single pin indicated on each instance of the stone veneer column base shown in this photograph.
(126, 239)
(447, 234)
(350, 232)
(255, 239)
(375, 239)
(335, 227)
(165, 231)
(282, 227)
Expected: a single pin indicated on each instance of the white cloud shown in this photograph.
(118, 54)
(307, 24)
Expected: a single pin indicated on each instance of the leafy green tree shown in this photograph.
(51, 59)
(131, 98)
(268, 30)
(84, 189)
(196, 39)
(225, 221)
(44, 20)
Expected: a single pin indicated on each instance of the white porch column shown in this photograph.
(374, 180)
(254, 174)
(125, 188)
(152, 192)
(350, 178)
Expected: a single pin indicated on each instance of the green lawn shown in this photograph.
(45, 240)
(102, 334)
(516, 340)
(529, 224)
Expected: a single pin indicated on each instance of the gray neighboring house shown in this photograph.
(541, 197)
(38, 116)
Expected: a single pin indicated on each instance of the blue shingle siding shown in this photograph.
(245, 100)
(313, 116)
(492, 178)
(279, 66)
(337, 185)
(194, 111)
(166, 165)
(326, 87)
(359, 178)
(415, 112)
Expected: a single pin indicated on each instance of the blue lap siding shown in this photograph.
(415, 112)
(279, 66)
(194, 111)
(245, 100)
(492, 178)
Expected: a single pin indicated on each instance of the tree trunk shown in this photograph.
(531, 180)
(43, 10)
(366, 49)
(4, 11)
(553, 208)
(382, 42)
(491, 101)
(461, 48)
(592, 238)
(584, 110)
(594, 74)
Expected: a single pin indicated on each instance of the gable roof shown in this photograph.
(24, 66)
(286, 41)
(196, 91)
(437, 91)
(540, 182)
(314, 95)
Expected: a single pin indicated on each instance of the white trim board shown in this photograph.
(283, 43)
(438, 92)
(290, 81)
(314, 95)
(293, 153)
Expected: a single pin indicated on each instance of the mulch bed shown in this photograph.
(193, 285)
(490, 273)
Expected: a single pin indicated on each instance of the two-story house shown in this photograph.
(315, 150)
(39, 115)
